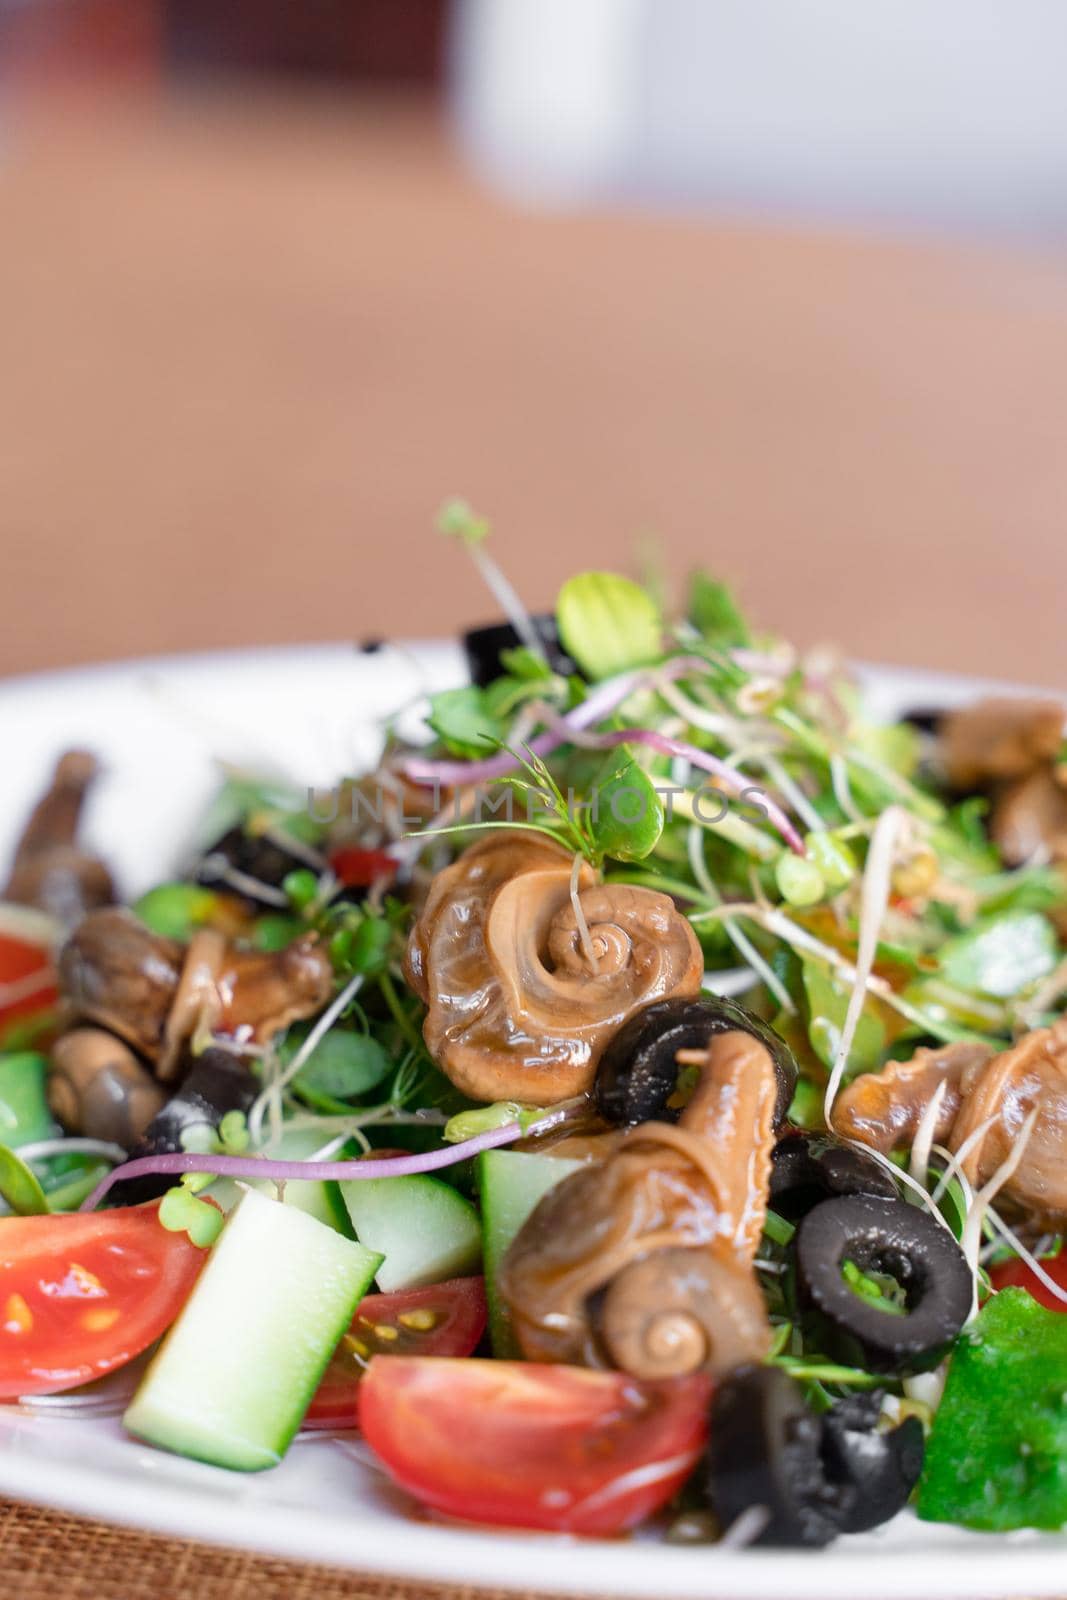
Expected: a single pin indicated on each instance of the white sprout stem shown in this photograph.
(799, 938)
(718, 723)
(275, 834)
(271, 1094)
(839, 781)
(900, 1176)
(738, 938)
(745, 1528)
(586, 938)
(337, 1143)
(44, 1149)
(956, 1158)
(874, 898)
(730, 981)
(953, 1169)
(793, 793)
(244, 883)
(24, 988)
(375, 1117)
(924, 1134)
(1026, 1256)
(507, 598)
(972, 1228)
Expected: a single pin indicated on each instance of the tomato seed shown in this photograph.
(100, 1320)
(420, 1321)
(17, 1314)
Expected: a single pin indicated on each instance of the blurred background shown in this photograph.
(778, 287)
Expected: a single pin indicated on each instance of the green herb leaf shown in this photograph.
(176, 910)
(463, 720)
(608, 623)
(20, 1187)
(1001, 955)
(995, 1455)
(828, 996)
(799, 880)
(523, 664)
(302, 887)
(628, 811)
(370, 946)
(181, 1212)
(457, 519)
(713, 610)
(275, 931)
(833, 858)
(342, 1065)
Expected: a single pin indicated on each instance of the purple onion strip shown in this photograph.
(734, 781)
(253, 1167)
(598, 705)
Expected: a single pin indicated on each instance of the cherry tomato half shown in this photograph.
(81, 1295)
(445, 1319)
(359, 869)
(1017, 1275)
(532, 1446)
(27, 987)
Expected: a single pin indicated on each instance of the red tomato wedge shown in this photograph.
(81, 1295)
(359, 869)
(445, 1319)
(27, 986)
(1017, 1275)
(531, 1446)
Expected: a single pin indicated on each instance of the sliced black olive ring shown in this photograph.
(886, 1237)
(638, 1072)
(813, 1477)
(807, 1168)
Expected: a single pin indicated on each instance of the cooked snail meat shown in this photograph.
(523, 989)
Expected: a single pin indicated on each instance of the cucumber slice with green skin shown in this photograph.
(321, 1200)
(510, 1184)
(424, 1229)
(234, 1376)
(24, 1113)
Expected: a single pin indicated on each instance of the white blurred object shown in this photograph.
(952, 112)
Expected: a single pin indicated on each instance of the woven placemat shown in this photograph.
(45, 1555)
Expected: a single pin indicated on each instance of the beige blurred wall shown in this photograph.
(248, 345)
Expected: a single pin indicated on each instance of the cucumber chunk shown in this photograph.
(24, 1113)
(510, 1184)
(234, 1376)
(321, 1199)
(424, 1229)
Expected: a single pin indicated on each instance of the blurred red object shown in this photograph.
(387, 41)
(43, 40)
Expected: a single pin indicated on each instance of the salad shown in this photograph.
(641, 1097)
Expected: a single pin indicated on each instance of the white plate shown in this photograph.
(161, 727)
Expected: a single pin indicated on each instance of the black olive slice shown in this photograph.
(483, 647)
(809, 1167)
(638, 1070)
(886, 1237)
(882, 1468)
(259, 860)
(216, 1084)
(764, 1451)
